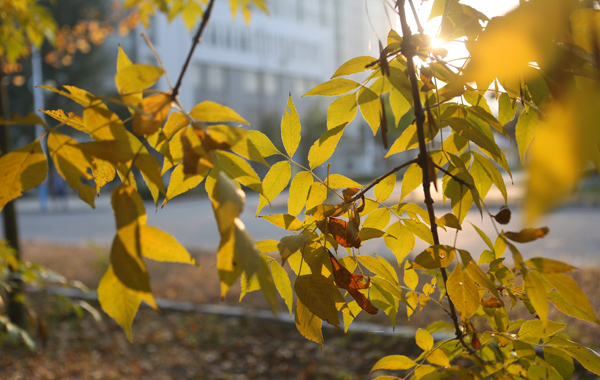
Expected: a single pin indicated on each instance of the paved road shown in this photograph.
(574, 231)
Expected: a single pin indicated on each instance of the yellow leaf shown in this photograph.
(324, 147)
(120, 302)
(21, 170)
(285, 221)
(413, 177)
(370, 108)
(333, 87)
(436, 256)
(72, 165)
(320, 296)
(527, 235)
(545, 265)
(261, 143)
(400, 240)
(156, 108)
(290, 128)
(572, 300)
(525, 130)
(536, 291)
(228, 202)
(308, 324)
(353, 66)
(378, 219)
(240, 170)
(341, 111)
(275, 181)
(266, 246)
(406, 141)
(283, 284)
(103, 124)
(299, 189)
(137, 77)
(338, 181)
(71, 119)
(394, 362)
(411, 278)
(316, 195)
(462, 290)
(449, 220)
(159, 245)
(377, 266)
(76, 94)
(103, 173)
(175, 122)
(180, 183)
(215, 113)
(384, 189)
(424, 339)
(126, 260)
(291, 244)
(438, 357)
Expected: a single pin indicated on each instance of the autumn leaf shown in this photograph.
(527, 235)
(351, 282)
(343, 232)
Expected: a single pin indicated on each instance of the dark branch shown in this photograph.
(195, 42)
(361, 193)
(409, 51)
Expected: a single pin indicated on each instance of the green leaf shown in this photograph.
(324, 147)
(159, 245)
(424, 339)
(274, 182)
(394, 362)
(341, 111)
(333, 87)
(21, 170)
(286, 221)
(412, 179)
(526, 129)
(353, 66)
(137, 77)
(320, 295)
(390, 287)
(384, 189)
(463, 292)
(290, 128)
(370, 108)
(212, 112)
(436, 256)
(299, 189)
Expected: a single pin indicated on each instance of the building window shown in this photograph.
(250, 82)
(215, 78)
(299, 87)
(270, 84)
(195, 76)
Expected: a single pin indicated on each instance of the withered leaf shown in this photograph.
(503, 217)
(351, 282)
(349, 193)
(527, 235)
(345, 234)
(491, 302)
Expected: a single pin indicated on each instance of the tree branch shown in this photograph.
(379, 179)
(409, 51)
(195, 42)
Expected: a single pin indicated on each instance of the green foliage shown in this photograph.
(456, 134)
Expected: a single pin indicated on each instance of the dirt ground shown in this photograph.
(184, 345)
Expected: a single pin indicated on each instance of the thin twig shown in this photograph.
(361, 193)
(461, 181)
(195, 42)
(157, 57)
(409, 51)
(416, 16)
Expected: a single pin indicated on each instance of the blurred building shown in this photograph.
(252, 68)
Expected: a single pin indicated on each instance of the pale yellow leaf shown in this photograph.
(290, 128)
(215, 113)
(299, 189)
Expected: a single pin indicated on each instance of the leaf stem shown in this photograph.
(361, 193)
(195, 42)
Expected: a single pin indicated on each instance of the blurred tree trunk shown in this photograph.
(16, 308)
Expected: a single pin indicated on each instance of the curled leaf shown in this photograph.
(349, 281)
(527, 235)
